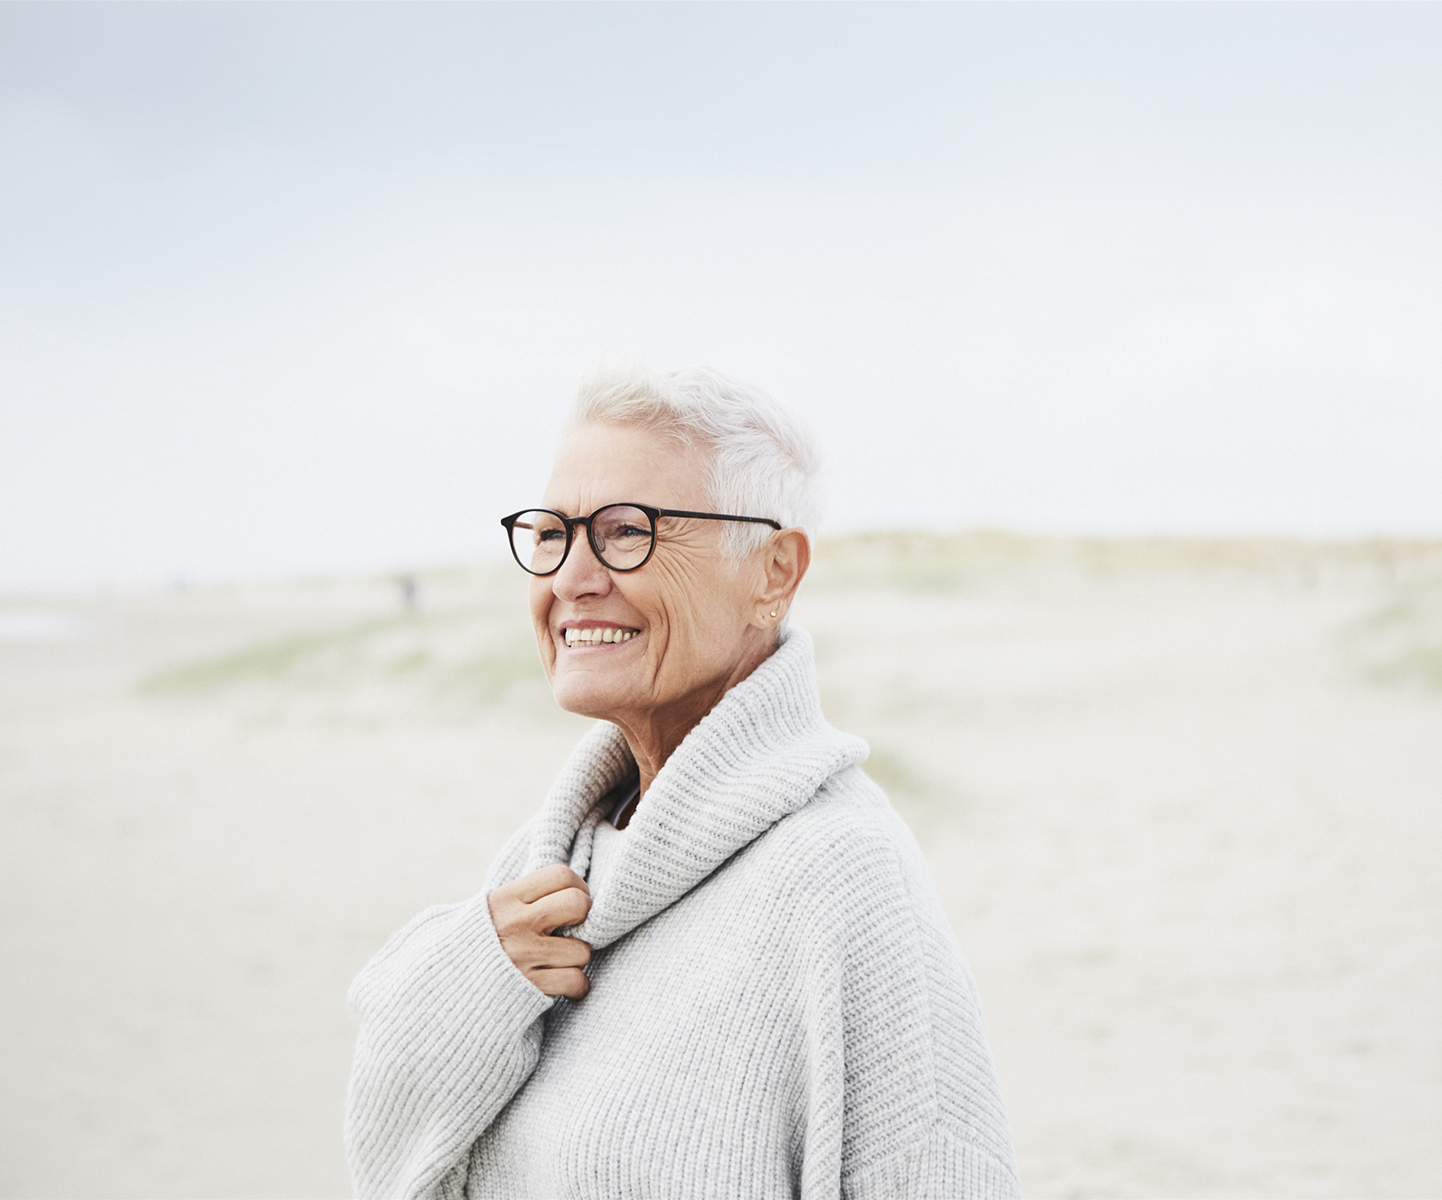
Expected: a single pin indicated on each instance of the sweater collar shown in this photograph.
(759, 755)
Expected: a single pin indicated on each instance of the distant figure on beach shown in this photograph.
(410, 592)
(713, 963)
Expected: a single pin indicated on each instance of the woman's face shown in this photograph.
(691, 611)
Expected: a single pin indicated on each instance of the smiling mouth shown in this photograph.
(608, 635)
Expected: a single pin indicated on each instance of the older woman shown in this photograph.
(753, 991)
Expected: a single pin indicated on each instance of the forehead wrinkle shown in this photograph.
(607, 464)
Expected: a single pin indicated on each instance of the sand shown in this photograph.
(1183, 802)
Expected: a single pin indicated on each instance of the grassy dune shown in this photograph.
(468, 643)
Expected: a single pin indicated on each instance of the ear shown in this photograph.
(784, 560)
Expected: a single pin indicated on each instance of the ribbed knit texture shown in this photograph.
(778, 1007)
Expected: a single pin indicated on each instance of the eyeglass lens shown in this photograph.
(621, 536)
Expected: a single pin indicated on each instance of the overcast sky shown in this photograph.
(293, 289)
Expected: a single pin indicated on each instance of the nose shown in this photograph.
(582, 574)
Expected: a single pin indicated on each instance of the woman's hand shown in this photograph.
(525, 912)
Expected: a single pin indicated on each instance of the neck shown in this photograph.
(653, 735)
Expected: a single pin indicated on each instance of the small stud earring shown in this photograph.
(773, 612)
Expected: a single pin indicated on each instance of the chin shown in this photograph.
(582, 696)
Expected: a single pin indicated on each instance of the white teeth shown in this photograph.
(595, 637)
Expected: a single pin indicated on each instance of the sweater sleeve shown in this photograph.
(896, 1015)
(449, 1031)
(941, 1166)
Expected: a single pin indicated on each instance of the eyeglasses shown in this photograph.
(622, 535)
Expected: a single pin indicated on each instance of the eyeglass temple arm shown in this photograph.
(676, 512)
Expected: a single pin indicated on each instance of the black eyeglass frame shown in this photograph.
(653, 513)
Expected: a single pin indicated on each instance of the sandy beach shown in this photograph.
(1182, 800)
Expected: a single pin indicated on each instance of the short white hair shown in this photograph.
(763, 459)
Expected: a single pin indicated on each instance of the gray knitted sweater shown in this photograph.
(777, 1008)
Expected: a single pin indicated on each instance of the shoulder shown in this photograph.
(847, 819)
(848, 854)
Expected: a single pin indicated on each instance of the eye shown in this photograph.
(550, 535)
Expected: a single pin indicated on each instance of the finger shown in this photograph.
(535, 953)
(546, 953)
(555, 878)
(565, 981)
(568, 907)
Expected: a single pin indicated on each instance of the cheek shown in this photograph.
(670, 602)
(704, 628)
(540, 599)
